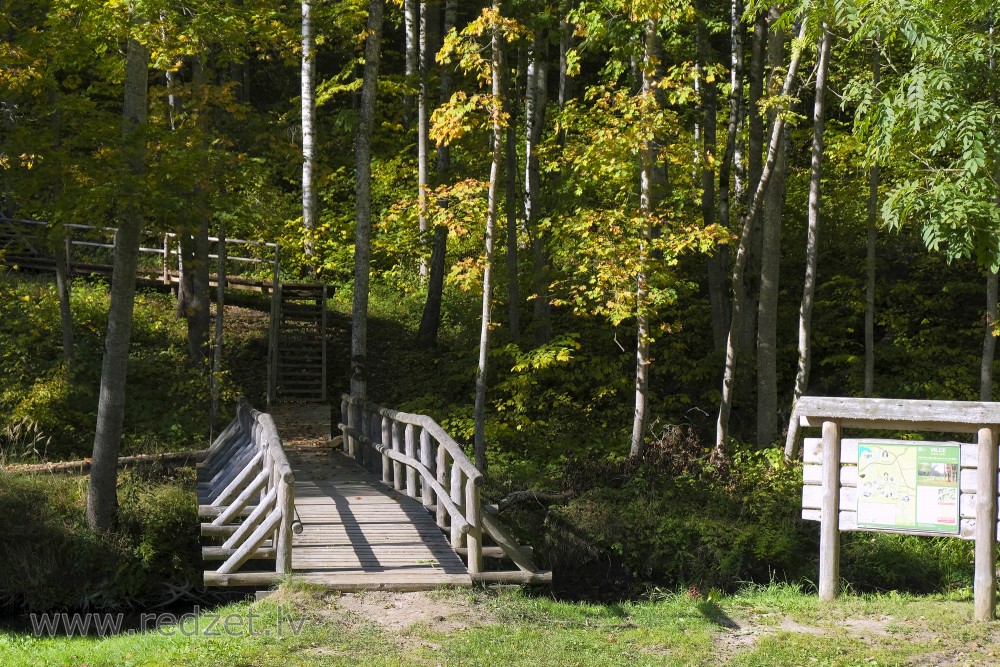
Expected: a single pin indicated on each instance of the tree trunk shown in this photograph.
(102, 498)
(309, 212)
(535, 97)
(718, 259)
(65, 309)
(873, 178)
(812, 246)
(513, 291)
(725, 405)
(363, 196)
(755, 159)
(430, 320)
(491, 216)
(422, 139)
(411, 21)
(646, 186)
(767, 305)
(735, 101)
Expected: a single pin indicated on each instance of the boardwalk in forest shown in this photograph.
(278, 497)
(357, 532)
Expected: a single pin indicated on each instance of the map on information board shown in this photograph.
(908, 486)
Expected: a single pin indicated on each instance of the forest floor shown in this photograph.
(760, 626)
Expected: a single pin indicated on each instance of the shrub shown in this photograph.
(50, 559)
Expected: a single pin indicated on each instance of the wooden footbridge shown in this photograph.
(393, 503)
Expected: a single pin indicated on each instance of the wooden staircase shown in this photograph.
(297, 359)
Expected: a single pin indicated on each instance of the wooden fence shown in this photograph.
(247, 489)
(415, 456)
(90, 249)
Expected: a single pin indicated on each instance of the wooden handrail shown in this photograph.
(163, 250)
(248, 464)
(370, 429)
(452, 492)
(456, 514)
(431, 427)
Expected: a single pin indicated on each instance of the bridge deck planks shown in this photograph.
(357, 532)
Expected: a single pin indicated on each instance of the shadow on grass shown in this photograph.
(715, 615)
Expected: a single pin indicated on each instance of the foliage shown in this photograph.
(167, 404)
(50, 559)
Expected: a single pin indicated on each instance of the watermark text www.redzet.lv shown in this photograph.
(276, 623)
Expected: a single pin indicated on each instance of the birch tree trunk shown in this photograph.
(767, 305)
(102, 497)
(363, 196)
(725, 405)
(491, 216)
(309, 212)
(430, 320)
(873, 179)
(646, 184)
(812, 246)
(411, 20)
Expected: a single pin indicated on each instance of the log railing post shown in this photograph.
(375, 461)
(457, 496)
(283, 546)
(829, 537)
(441, 472)
(986, 525)
(386, 442)
(411, 451)
(474, 538)
(397, 446)
(345, 419)
(425, 458)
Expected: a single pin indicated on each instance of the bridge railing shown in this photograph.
(417, 457)
(248, 490)
(90, 248)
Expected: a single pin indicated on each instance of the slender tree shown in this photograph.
(102, 497)
(513, 291)
(309, 212)
(812, 245)
(725, 405)
(767, 305)
(491, 215)
(430, 320)
(363, 196)
(648, 177)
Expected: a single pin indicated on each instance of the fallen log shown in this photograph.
(183, 459)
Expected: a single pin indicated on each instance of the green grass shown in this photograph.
(760, 626)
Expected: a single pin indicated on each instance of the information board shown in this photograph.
(909, 486)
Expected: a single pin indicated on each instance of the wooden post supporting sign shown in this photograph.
(829, 537)
(986, 526)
